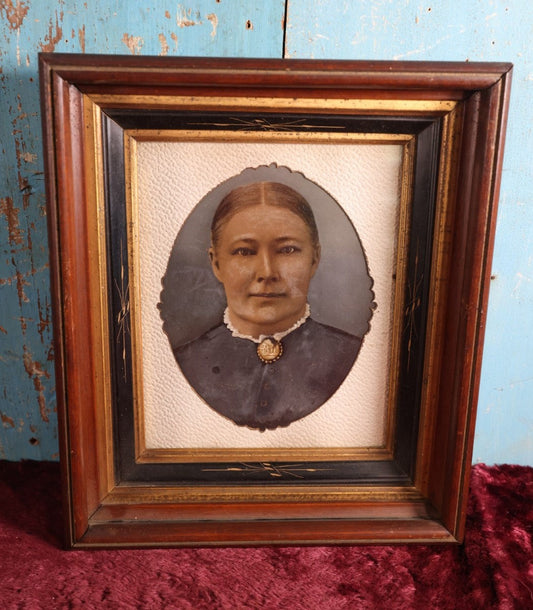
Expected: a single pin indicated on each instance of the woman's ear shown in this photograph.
(214, 263)
(316, 259)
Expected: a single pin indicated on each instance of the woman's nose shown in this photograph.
(266, 267)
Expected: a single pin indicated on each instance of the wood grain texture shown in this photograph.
(28, 420)
(444, 452)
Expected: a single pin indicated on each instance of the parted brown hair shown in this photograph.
(268, 193)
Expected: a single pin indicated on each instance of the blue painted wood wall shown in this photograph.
(472, 30)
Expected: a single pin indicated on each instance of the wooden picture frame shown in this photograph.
(449, 121)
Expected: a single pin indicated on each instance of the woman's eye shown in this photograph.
(288, 250)
(243, 251)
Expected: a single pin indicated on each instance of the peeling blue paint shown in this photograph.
(475, 30)
(28, 422)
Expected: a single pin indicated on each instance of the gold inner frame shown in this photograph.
(93, 174)
(287, 104)
(440, 276)
(265, 455)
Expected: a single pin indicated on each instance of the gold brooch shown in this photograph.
(269, 350)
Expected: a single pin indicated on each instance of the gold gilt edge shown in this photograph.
(132, 217)
(400, 287)
(440, 276)
(93, 171)
(189, 455)
(165, 494)
(192, 135)
(262, 457)
(300, 104)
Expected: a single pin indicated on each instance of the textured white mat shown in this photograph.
(172, 179)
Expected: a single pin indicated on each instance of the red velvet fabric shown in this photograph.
(492, 569)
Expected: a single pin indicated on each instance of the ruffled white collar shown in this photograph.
(278, 336)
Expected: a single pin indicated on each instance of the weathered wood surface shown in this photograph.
(470, 31)
(28, 427)
(474, 31)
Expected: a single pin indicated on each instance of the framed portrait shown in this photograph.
(270, 280)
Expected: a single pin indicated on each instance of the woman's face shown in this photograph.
(265, 259)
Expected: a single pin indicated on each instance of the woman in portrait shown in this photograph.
(268, 363)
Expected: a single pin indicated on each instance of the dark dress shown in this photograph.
(227, 373)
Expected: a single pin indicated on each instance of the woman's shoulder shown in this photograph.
(219, 338)
(320, 341)
(331, 333)
(213, 335)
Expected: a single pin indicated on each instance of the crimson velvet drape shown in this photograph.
(492, 569)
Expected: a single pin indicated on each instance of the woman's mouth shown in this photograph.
(268, 295)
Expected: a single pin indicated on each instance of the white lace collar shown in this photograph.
(278, 336)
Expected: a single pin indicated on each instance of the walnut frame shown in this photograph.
(466, 103)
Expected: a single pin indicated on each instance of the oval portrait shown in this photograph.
(266, 297)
